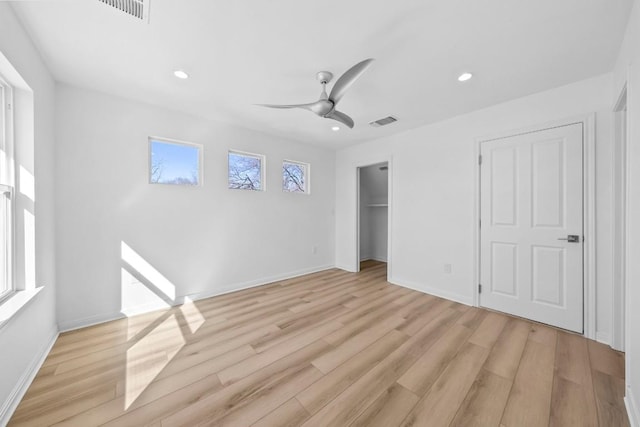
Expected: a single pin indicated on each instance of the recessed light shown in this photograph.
(181, 74)
(464, 77)
(335, 128)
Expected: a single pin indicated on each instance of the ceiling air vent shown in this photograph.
(383, 122)
(136, 8)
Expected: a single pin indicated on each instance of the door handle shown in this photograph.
(571, 238)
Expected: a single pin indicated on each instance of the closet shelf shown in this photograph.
(377, 205)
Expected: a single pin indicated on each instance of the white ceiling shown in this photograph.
(242, 52)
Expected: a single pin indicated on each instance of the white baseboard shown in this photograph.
(18, 392)
(346, 268)
(603, 337)
(373, 258)
(632, 409)
(420, 287)
(145, 308)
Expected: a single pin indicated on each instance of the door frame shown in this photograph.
(620, 213)
(589, 208)
(389, 162)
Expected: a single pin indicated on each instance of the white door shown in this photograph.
(531, 226)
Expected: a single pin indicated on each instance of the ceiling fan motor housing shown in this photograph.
(324, 77)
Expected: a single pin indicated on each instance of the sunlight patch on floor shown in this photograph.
(149, 356)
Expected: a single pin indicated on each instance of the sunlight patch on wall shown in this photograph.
(149, 356)
(136, 297)
(148, 272)
(27, 184)
(29, 250)
(5, 168)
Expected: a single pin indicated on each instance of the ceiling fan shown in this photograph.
(326, 105)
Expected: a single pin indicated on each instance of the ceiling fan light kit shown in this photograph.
(325, 106)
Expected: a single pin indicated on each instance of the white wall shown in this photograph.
(203, 240)
(433, 184)
(627, 71)
(26, 337)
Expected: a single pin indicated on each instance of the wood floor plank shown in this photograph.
(158, 409)
(328, 387)
(389, 409)
(347, 406)
(573, 405)
(485, 402)
(416, 320)
(572, 359)
(489, 330)
(289, 414)
(421, 376)
(331, 348)
(449, 390)
(507, 351)
(169, 386)
(240, 394)
(51, 414)
(343, 352)
(609, 392)
(530, 398)
(606, 360)
(254, 363)
(473, 318)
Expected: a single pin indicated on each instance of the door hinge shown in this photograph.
(480, 159)
(8, 106)
(479, 288)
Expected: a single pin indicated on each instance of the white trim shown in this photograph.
(15, 302)
(230, 288)
(620, 183)
(350, 269)
(632, 410)
(373, 258)
(11, 403)
(389, 161)
(589, 265)
(589, 225)
(358, 203)
(426, 289)
(390, 206)
(603, 337)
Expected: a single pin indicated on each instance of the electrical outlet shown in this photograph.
(447, 268)
(314, 250)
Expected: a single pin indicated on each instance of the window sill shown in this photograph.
(13, 304)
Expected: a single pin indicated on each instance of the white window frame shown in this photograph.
(200, 148)
(307, 176)
(7, 179)
(263, 168)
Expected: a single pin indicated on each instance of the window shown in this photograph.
(6, 191)
(173, 162)
(295, 177)
(246, 171)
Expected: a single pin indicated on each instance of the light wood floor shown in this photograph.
(327, 349)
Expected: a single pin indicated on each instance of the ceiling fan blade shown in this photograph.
(347, 79)
(341, 117)
(305, 106)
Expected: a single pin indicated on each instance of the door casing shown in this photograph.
(588, 161)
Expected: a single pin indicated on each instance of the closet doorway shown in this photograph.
(373, 213)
